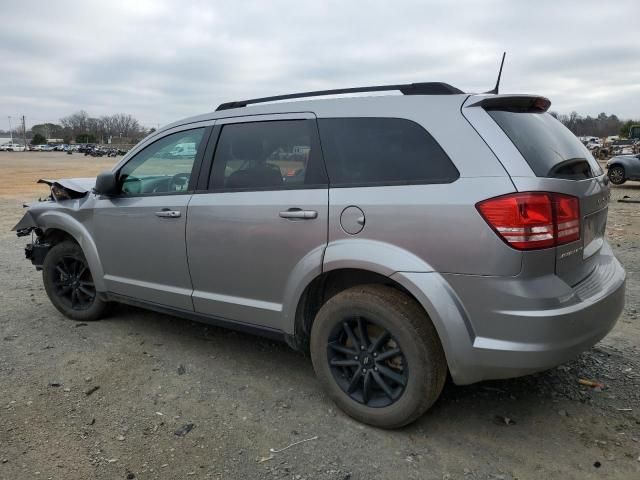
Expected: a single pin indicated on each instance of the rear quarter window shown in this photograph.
(382, 151)
(550, 149)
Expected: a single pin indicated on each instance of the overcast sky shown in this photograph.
(164, 60)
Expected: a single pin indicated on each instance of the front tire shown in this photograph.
(377, 355)
(69, 283)
(617, 175)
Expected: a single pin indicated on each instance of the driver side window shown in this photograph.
(164, 166)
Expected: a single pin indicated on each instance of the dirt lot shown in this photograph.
(105, 400)
(26, 168)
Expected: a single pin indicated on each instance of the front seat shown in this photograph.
(257, 173)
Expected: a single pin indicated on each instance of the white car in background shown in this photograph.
(13, 147)
(183, 150)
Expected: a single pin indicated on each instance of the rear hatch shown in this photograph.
(554, 161)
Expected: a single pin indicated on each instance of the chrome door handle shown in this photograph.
(168, 213)
(298, 213)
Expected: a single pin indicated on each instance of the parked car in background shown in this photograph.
(594, 144)
(84, 147)
(398, 239)
(623, 167)
(183, 150)
(13, 147)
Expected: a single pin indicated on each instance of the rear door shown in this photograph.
(541, 154)
(258, 229)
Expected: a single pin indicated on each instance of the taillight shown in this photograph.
(533, 220)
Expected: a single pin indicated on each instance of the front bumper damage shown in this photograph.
(65, 189)
(36, 252)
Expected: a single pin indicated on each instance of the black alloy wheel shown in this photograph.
(69, 283)
(367, 362)
(73, 282)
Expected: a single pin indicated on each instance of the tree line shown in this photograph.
(82, 128)
(124, 128)
(601, 126)
(86, 129)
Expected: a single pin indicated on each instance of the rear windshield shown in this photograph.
(550, 149)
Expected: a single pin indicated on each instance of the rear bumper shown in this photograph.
(516, 326)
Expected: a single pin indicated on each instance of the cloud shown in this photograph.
(163, 60)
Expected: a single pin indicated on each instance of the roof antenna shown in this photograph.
(495, 89)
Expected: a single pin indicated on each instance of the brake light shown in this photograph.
(533, 220)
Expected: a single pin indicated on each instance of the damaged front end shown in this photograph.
(69, 188)
(62, 195)
(36, 252)
(37, 249)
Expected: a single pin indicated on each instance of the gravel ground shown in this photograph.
(144, 395)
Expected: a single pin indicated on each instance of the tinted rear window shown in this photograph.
(382, 151)
(550, 149)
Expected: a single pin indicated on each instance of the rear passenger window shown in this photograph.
(382, 151)
(267, 155)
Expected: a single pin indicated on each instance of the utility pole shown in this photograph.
(10, 131)
(24, 132)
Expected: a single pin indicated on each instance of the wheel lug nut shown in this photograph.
(375, 354)
(361, 347)
(355, 358)
(375, 369)
(364, 370)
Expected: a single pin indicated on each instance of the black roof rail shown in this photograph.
(426, 88)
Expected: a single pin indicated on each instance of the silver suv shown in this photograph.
(397, 238)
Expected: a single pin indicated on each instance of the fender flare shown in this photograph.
(617, 163)
(370, 255)
(343, 254)
(415, 275)
(448, 316)
(57, 220)
(375, 256)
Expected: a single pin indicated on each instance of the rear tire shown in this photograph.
(617, 175)
(69, 283)
(377, 355)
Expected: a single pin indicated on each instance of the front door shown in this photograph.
(140, 233)
(261, 227)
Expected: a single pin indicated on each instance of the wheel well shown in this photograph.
(321, 289)
(53, 236)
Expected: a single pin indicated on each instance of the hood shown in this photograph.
(63, 189)
(78, 185)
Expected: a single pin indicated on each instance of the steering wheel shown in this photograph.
(179, 182)
(132, 185)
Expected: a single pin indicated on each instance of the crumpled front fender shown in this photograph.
(27, 222)
(47, 216)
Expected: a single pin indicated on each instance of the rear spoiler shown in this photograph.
(514, 103)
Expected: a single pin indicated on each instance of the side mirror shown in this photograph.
(106, 183)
